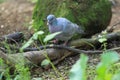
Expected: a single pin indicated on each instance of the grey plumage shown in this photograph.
(67, 28)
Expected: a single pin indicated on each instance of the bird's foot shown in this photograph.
(54, 41)
(65, 43)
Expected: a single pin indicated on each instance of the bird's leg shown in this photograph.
(65, 43)
(55, 41)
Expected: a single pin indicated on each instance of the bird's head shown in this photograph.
(50, 19)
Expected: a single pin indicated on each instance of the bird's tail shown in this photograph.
(79, 29)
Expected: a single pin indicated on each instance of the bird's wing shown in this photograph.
(68, 28)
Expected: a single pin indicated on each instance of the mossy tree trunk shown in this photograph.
(93, 15)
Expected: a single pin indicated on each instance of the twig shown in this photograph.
(112, 27)
(66, 48)
(57, 47)
(69, 49)
(117, 48)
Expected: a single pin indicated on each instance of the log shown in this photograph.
(94, 41)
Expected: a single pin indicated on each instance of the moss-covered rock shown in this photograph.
(93, 15)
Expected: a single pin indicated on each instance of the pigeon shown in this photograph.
(63, 25)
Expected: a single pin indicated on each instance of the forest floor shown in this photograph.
(15, 15)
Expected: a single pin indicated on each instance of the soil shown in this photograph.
(15, 15)
(116, 15)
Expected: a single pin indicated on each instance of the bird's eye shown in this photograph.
(51, 19)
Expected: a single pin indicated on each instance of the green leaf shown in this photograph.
(31, 40)
(78, 71)
(35, 35)
(110, 57)
(27, 43)
(2, 75)
(51, 36)
(17, 77)
(116, 76)
(1, 61)
(102, 40)
(33, 1)
(45, 62)
(37, 79)
(107, 59)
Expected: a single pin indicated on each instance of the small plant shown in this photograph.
(32, 39)
(103, 39)
(108, 59)
(36, 37)
(78, 71)
(22, 72)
